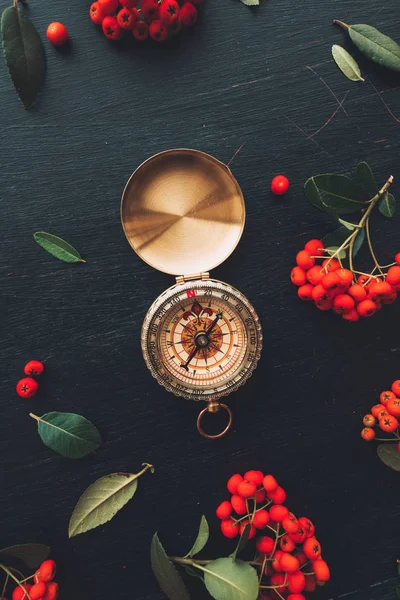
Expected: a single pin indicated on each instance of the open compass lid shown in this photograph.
(183, 212)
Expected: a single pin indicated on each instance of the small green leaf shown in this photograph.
(242, 541)
(251, 2)
(226, 579)
(57, 247)
(346, 63)
(348, 225)
(335, 194)
(365, 176)
(69, 434)
(387, 205)
(334, 250)
(24, 54)
(101, 501)
(389, 455)
(336, 237)
(32, 555)
(358, 241)
(202, 538)
(165, 572)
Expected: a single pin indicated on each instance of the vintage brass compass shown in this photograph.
(183, 213)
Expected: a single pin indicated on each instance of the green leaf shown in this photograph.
(193, 572)
(251, 2)
(57, 247)
(202, 538)
(348, 225)
(165, 572)
(365, 175)
(242, 541)
(346, 63)
(389, 455)
(335, 194)
(226, 579)
(336, 237)
(334, 250)
(376, 46)
(69, 434)
(32, 555)
(387, 205)
(24, 54)
(102, 500)
(358, 241)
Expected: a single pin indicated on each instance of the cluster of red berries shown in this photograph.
(331, 286)
(289, 555)
(27, 387)
(385, 414)
(43, 588)
(159, 19)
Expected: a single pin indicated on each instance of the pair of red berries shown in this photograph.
(43, 588)
(386, 414)
(158, 19)
(27, 387)
(331, 286)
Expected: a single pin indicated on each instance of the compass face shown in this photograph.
(201, 339)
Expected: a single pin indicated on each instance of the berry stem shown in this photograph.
(371, 249)
(5, 585)
(8, 572)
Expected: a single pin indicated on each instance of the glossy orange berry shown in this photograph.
(19, 592)
(397, 258)
(261, 519)
(57, 34)
(315, 247)
(343, 303)
(275, 561)
(324, 305)
(382, 413)
(289, 563)
(169, 11)
(38, 590)
(331, 264)
(229, 529)
(270, 484)
(390, 298)
(304, 292)
(346, 277)
(358, 292)
(278, 496)
(52, 591)
(375, 410)
(278, 513)
(379, 291)
(321, 570)
(158, 30)
(304, 260)
(140, 30)
(386, 396)
(243, 524)
(238, 504)
(290, 523)
(96, 13)
(27, 387)
(366, 308)
(365, 280)
(393, 275)
(396, 387)
(224, 510)
(351, 315)
(297, 582)
(108, 6)
(307, 525)
(312, 548)
(233, 482)
(368, 434)
(126, 19)
(298, 276)
(331, 281)
(388, 423)
(111, 28)
(393, 407)
(315, 275)
(279, 185)
(320, 294)
(369, 420)
(298, 536)
(46, 571)
(286, 544)
(246, 489)
(255, 477)
(33, 368)
(265, 544)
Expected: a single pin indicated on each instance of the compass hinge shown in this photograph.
(194, 276)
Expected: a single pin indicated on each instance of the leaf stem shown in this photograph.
(341, 24)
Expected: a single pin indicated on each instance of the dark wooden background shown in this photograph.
(250, 79)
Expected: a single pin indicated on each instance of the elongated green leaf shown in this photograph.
(234, 580)
(376, 46)
(336, 194)
(347, 224)
(251, 2)
(242, 541)
(360, 238)
(32, 555)
(202, 538)
(24, 54)
(365, 175)
(165, 572)
(387, 206)
(69, 434)
(389, 455)
(334, 250)
(346, 63)
(57, 247)
(335, 238)
(102, 500)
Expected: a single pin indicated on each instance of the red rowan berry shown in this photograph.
(140, 31)
(297, 582)
(298, 536)
(366, 308)
(280, 581)
(368, 434)
(278, 512)
(364, 280)
(382, 413)
(229, 528)
(243, 524)
(246, 489)
(270, 484)
(150, 10)
(233, 482)
(224, 510)
(111, 28)
(261, 519)
(307, 525)
(46, 571)
(343, 303)
(393, 275)
(57, 34)
(320, 294)
(288, 563)
(286, 544)
(27, 387)
(396, 387)
(324, 305)
(378, 291)
(188, 14)
(304, 260)
(278, 496)
(290, 523)
(279, 185)
(321, 570)
(158, 30)
(255, 477)
(397, 258)
(390, 299)
(386, 396)
(315, 247)
(312, 548)
(298, 276)
(369, 420)
(311, 583)
(108, 6)
(239, 505)
(19, 591)
(376, 409)
(265, 544)
(38, 590)
(346, 277)
(126, 19)
(304, 292)
(393, 407)
(96, 13)
(331, 264)
(296, 597)
(169, 11)
(260, 496)
(352, 315)
(315, 275)
(358, 292)
(128, 3)
(52, 591)
(34, 367)
(388, 423)
(331, 281)
(275, 561)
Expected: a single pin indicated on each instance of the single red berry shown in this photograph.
(386, 396)
(57, 34)
(343, 303)
(52, 591)
(346, 277)
(270, 484)
(388, 423)
(243, 524)
(298, 536)
(27, 387)
(150, 10)
(382, 413)
(265, 544)
(298, 276)
(396, 387)
(279, 581)
(278, 513)
(331, 264)
(140, 30)
(287, 544)
(96, 13)
(364, 280)
(224, 510)
(393, 407)
(297, 582)
(397, 258)
(380, 290)
(324, 304)
(108, 6)
(169, 11)
(312, 548)
(351, 315)
(366, 308)
(290, 523)
(358, 292)
(34, 367)
(331, 281)
(38, 590)
(188, 14)
(279, 185)
(229, 528)
(278, 496)
(315, 275)
(390, 299)
(261, 519)
(321, 570)
(289, 563)
(368, 434)
(377, 408)
(304, 292)
(111, 28)
(126, 19)
(304, 260)
(246, 489)
(260, 496)
(393, 275)
(19, 592)
(275, 561)
(315, 247)
(320, 294)
(46, 571)
(307, 525)
(369, 420)
(128, 3)
(238, 504)
(255, 477)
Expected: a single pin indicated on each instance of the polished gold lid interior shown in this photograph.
(183, 212)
